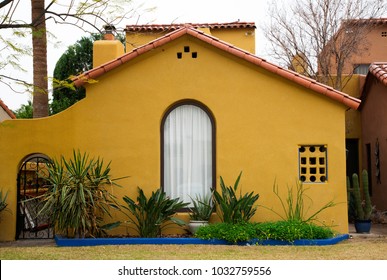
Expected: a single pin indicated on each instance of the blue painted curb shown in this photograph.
(77, 242)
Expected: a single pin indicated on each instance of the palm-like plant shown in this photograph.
(149, 216)
(77, 197)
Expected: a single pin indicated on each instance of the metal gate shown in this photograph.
(31, 184)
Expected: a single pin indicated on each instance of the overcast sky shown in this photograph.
(166, 11)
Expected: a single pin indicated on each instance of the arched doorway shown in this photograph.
(31, 184)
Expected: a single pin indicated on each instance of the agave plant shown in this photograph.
(149, 216)
(235, 207)
(202, 209)
(78, 198)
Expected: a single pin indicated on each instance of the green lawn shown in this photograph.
(353, 249)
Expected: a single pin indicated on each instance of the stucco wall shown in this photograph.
(374, 129)
(260, 119)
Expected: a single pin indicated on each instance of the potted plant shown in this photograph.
(200, 212)
(363, 206)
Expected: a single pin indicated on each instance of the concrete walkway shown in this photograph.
(377, 231)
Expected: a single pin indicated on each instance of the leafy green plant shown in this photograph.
(202, 209)
(233, 206)
(149, 216)
(363, 208)
(3, 201)
(294, 207)
(77, 197)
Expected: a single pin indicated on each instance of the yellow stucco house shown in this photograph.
(184, 109)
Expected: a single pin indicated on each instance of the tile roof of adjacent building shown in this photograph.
(188, 29)
(375, 21)
(175, 26)
(379, 71)
(7, 110)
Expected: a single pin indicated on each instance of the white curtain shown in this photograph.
(187, 153)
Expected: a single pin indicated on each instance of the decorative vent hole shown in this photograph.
(186, 49)
(384, 33)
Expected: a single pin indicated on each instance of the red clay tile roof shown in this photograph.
(172, 27)
(379, 71)
(7, 110)
(188, 29)
(375, 21)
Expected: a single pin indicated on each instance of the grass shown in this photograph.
(353, 249)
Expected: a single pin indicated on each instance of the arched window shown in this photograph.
(187, 152)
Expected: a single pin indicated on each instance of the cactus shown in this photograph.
(363, 209)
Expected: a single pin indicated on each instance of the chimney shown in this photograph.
(107, 49)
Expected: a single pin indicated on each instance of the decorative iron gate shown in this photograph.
(32, 184)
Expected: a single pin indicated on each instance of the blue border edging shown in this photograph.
(77, 242)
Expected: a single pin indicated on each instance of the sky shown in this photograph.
(166, 11)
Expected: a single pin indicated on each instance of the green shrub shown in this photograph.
(77, 197)
(232, 233)
(235, 208)
(279, 230)
(292, 230)
(149, 216)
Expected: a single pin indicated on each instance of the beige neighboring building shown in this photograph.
(371, 50)
(5, 112)
(365, 128)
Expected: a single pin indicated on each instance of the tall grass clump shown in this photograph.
(294, 206)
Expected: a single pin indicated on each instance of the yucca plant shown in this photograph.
(78, 197)
(233, 206)
(149, 216)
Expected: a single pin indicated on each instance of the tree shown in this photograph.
(39, 57)
(25, 111)
(86, 15)
(77, 59)
(317, 37)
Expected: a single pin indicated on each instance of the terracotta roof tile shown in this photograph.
(7, 110)
(172, 27)
(379, 71)
(188, 29)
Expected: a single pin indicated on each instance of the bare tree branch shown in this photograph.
(323, 33)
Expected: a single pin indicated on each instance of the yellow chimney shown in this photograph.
(106, 50)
